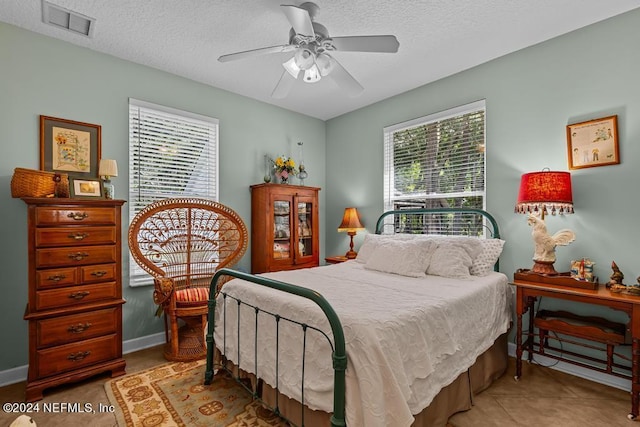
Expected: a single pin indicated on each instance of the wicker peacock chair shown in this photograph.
(181, 243)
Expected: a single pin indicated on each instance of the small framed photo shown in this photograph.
(70, 147)
(593, 143)
(85, 188)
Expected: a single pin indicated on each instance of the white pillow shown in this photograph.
(405, 257)
(368, 246)
(483, 263)
(454, 257)
(371, 241)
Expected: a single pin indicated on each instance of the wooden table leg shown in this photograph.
(635, 378)
(529, 307)
(519, 347)
(519, 312)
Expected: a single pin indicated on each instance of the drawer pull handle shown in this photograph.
(76, 357)
(78, 256)
(78, 216)
(78, 236)
(79, 328)
(98, 273)
(57, 277)
(79, 295)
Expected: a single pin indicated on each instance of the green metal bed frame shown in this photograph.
(339, 356)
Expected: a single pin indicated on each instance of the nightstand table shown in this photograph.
(336, 259)
(528, 292)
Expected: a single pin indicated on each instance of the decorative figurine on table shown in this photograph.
(616, 285)
(616, 277)
(582, 269)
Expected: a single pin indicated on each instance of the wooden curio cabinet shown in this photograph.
(284, 227)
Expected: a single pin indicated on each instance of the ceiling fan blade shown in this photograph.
(366, 44)
(345, 80)
(284, 86)
(256, 52)
(299, 19)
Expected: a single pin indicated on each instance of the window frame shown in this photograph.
(390, 200)
(137, 276)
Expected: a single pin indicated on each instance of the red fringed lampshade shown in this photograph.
(546, 191)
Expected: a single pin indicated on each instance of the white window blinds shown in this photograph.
(437, 160)
(172, 153)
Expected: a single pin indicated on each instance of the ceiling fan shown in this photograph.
(310, 43)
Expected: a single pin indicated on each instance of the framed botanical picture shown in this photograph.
(593, 143)
(80, 188)
(70, 147)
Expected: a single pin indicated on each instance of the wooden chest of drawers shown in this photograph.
(75, 291)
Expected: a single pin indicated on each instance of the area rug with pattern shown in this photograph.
(174, 394)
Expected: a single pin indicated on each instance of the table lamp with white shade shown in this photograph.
(106, 170)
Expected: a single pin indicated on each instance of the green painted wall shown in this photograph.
(41, 75)
(531, 95)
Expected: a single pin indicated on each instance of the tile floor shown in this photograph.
(543, 397)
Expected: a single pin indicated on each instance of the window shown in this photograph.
(436, 161)
(172, 153)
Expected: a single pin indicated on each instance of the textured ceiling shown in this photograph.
(437, 38)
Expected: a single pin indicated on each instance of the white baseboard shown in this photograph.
(141, 343)
(578, 371)
(16, 375)
(13, 375)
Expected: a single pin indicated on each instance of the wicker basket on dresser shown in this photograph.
(75, 291)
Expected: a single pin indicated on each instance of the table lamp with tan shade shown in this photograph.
(351, 224)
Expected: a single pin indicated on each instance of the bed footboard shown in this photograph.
(339, 356)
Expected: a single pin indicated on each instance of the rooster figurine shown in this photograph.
(545, 245)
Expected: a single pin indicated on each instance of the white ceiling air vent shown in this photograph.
(67, 19)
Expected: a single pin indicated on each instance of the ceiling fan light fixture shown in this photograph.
(312, 75)
(324, 62)
(291, 67)
(310, 45)
(304, 58)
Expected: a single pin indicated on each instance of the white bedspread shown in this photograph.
(406, 338)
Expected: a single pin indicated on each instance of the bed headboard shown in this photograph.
(443, 221)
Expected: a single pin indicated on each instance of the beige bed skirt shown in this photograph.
(453, 398)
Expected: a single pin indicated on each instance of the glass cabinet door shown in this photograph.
(305, 229)
(282, 229)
